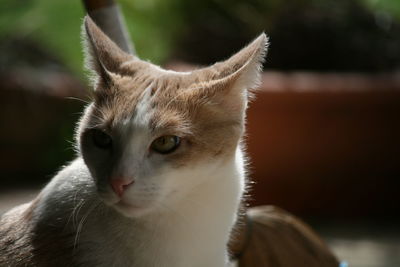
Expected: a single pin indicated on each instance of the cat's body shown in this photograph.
(131, 198)
(74, 228)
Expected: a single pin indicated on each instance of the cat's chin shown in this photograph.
(131, 210)
(125, 207)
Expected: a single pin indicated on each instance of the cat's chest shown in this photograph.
(131, 252)
(153, 245)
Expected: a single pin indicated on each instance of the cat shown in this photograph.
(160, 170)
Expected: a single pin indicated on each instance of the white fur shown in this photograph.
(191, 230)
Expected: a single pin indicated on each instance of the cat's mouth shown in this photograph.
(123, 204)
(128, 204)
(129, 209)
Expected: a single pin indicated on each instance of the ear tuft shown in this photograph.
(243, 68)
(253, 57)
(237, 76)
(228, 84)
(102, 55)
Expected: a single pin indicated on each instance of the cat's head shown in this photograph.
(151, 135)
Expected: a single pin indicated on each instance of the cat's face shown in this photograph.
(151, 136)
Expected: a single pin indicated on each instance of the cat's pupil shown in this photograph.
(165, 144)
(101, 139)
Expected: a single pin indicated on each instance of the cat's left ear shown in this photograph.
(233, 79)
(102, 56)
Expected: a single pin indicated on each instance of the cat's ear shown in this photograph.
(102, 56)
(233, 79)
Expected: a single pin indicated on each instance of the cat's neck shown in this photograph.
(198, 227)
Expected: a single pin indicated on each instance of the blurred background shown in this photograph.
(323, 133)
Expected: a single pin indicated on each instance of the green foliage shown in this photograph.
(56, 24)
(391, 7)
(155, 25)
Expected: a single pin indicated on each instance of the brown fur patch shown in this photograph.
(206, 106)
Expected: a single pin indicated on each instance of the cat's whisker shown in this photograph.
(76, 212)
(71, 146)
(98, 118)
(82, 222)
(76, 206)
(78, 99)
(97, 125)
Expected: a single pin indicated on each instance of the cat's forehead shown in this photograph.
(149, 100)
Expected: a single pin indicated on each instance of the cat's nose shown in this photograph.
(119, 185)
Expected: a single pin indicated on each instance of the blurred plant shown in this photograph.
(204, 31)
(56, 25)
(153, 25)
(318, 35)
(391, 7)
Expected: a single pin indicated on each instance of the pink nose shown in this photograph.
(119, 185)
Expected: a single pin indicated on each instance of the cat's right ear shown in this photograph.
(102, 56)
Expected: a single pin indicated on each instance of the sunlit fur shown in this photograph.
(181, 207)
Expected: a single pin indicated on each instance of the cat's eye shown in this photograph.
(165, 144)
(101, 139)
